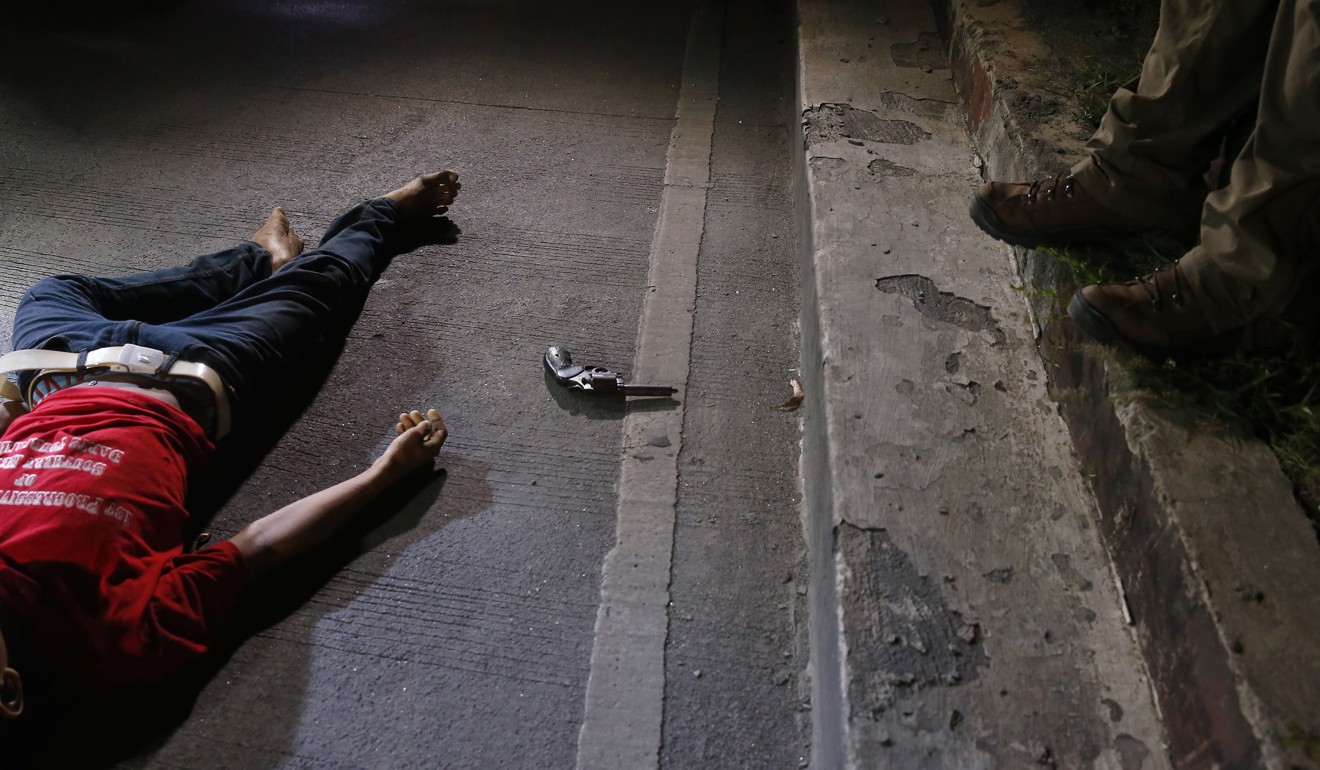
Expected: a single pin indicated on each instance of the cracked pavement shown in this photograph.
(980, 622)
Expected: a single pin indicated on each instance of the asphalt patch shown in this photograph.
(942, 305)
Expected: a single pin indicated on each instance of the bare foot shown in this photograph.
(427, 195)
(277, 237)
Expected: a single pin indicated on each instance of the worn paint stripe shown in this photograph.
(626, 687)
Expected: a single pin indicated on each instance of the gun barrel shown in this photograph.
(647, 390)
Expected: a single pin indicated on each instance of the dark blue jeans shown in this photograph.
(226, 310)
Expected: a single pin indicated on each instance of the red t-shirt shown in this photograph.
(92, 486)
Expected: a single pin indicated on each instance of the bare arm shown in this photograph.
(300, 527)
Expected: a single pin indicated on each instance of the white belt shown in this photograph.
(133, 359)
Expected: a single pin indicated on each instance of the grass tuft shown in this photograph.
(1273, 395)
(1097, 84)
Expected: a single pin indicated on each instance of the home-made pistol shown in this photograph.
(595, 379)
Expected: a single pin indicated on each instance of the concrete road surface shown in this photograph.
(588, 585)
(460, 631)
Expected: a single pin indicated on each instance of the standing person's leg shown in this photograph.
(1144, 164)
(79, 312)
(1258, 235)
(252, 336)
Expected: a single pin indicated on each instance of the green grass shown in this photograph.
(1118, 260)
(1096, 84)
(1273, 395)
(1309, 744)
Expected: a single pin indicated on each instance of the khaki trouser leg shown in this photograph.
(1204, 69)
(1260, 234)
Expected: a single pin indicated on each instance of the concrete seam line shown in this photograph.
(625, 695)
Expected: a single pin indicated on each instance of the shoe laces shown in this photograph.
(1158, 289)
(1065, 180)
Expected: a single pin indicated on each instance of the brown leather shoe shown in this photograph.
(1047, 210)
(1153, 311)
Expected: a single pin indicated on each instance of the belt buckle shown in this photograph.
(136, 358)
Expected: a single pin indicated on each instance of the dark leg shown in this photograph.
(78, 309)
(252, 335)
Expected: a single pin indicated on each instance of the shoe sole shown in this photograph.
(985, 218)
(1092, 321)
(1101, 329)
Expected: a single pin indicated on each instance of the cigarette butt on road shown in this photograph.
(796, 400)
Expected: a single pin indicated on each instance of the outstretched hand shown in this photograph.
(298, 527)
(418, 441)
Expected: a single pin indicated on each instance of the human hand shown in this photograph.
(418, 442)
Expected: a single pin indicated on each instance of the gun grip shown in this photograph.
(560, 363)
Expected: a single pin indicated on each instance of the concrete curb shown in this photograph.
(964, 611)
(1217, 559)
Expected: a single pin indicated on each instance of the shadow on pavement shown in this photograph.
(102, 729)
(113, 727)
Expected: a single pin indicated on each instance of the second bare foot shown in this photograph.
(427, 195)
(277, 237)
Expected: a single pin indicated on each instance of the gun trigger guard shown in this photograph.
(594, 379)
